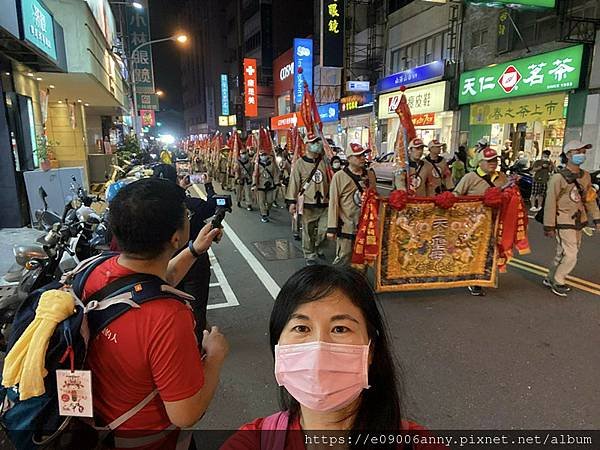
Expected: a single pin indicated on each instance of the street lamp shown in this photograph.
(181, 38)
(160, 93)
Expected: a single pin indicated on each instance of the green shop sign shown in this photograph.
(516, 3)
(38, 26)
(548, 72)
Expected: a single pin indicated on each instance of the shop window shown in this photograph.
(478, 38)
(430, 49)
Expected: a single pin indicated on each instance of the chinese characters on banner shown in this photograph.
(532, 109)
(250, 88)
(138, 25)
(423, 120)
(332, 42)
(422, 100)
(548, 72)
(148, 117)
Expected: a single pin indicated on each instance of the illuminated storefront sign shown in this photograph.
(353, 102)
(250, 88)
(418, 75)
(286, 121)
(422, 100)
(332, 33)
(224, 94)
(38, 26)
(303, 58)
(329, 112)
(537, 108)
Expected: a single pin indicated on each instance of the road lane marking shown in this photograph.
(261, 273)
(516, 264)
(225, 287)
(569, 277)
(214, 284)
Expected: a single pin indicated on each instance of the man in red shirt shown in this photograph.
(153, 347)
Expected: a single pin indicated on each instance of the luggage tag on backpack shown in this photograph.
(74, 393)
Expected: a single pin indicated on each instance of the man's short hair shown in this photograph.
(145, 214)
(546, 152)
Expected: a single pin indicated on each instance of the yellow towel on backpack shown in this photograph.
(24, 364)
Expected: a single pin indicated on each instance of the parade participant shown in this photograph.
(156, 342)
(570, 204)
(437, 174)
(223, 166)
(345, 200)
(476, 183)
(243, 180)
(473, 156)
(333, 363)
(309, 180)
(283, 166)
(506, 155)
(542, 169)
(416, 181)
(265, 177)
(166, 157)
(336, 164)
(459, 165)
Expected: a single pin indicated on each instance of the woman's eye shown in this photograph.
(301, 329)
(340, 329)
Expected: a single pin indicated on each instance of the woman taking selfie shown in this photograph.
(332, 362)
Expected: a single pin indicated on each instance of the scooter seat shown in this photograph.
(24, 253)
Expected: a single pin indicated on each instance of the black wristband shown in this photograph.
(192, 250)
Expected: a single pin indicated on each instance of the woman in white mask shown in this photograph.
(333, 364)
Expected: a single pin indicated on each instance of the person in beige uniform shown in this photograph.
(266, 182)
(224, 177)
(243, 180)
(345, 202)
(570, 204)
(416, 178)
(309, 179)
(437, 174)
(476, 183)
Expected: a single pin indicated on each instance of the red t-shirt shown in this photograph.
(153, 347)
(249, 437)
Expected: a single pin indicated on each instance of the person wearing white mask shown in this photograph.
(333, 363)
(570, 204)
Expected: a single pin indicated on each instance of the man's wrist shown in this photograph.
(192, 247)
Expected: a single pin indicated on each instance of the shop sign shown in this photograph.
(418, 75)
(548, 72)
(330, 112)
(537, 108)
(223, 121)
(332, 33)
(353, 102)
(423, 120)
(421, 100)
(147, 101)
(283, 73)
(517, 3)
(250, 88)
(232, 120)
(303, 57)
(38, 26)
(224, 94)
(138, 26)
(358, 86)
(148, 117)
(286, 121)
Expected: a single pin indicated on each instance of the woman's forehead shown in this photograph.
(334, 303)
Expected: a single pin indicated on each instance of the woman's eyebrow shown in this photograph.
(299, 317)
(343, 317)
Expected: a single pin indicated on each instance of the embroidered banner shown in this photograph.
(426, 247)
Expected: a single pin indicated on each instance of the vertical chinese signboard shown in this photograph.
(250, 88)
(541, 74)
(303, 57)
(138, 26)
(332, 33)
(224, 94)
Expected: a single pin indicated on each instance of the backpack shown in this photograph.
(35, 423)
(539, 216)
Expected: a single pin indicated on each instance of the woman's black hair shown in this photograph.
(380, 408)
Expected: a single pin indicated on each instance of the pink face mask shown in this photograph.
(321, 376)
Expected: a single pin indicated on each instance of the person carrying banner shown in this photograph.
(345, 201)
(416, 179)
(476, 183)
(309, 179)
(265, 177)
(437, 174)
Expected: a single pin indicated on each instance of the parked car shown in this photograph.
(383, 166)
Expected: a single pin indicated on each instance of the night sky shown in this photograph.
(167, 73)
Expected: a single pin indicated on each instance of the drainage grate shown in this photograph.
(278, 250)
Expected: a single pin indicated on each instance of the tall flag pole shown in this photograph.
(406, 133)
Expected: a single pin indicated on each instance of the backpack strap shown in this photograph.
(274, 430)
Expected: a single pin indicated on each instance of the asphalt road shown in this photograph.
(519, 357)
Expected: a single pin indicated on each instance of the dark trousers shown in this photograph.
(196, 283)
